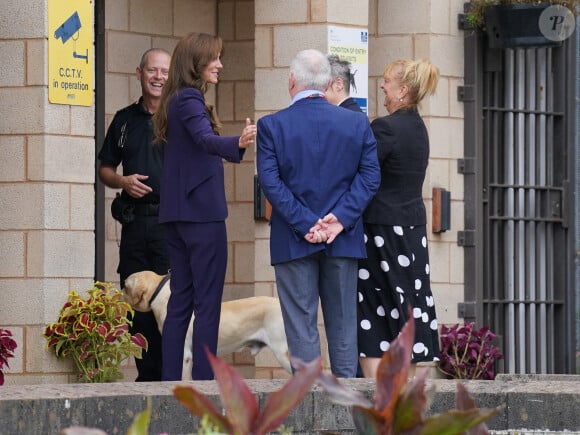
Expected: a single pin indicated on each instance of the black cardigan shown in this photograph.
(403, 151)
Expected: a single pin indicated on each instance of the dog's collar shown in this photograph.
(159, 287)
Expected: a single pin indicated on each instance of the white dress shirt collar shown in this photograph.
(305, 94)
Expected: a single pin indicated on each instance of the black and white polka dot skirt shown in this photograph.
(394, 276)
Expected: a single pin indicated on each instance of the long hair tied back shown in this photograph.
(192, 54)
(420, 77)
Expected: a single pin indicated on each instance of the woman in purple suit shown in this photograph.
(193, 205)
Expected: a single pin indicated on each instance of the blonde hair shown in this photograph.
(420, 77)
(192, 54)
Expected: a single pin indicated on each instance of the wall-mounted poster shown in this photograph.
(351, 44)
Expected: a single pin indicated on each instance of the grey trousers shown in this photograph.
(301, 283)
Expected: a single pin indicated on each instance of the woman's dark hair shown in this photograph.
(192, 54)
(341, 69)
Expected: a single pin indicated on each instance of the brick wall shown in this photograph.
(47, 168)
(46, 193)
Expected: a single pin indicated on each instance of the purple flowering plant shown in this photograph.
(467, 352)
(7, 346)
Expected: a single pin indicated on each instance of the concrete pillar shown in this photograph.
(283, 28)
(46, 194)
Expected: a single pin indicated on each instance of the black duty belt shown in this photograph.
(146, 209)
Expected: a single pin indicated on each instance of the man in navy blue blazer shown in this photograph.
(317, 164)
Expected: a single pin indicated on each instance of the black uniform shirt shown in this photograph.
(129, 142)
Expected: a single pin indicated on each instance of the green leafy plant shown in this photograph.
(7, 346)
(467, 353)
(140, 425)
(242, 413)
(207, 428)
(94, 332)
(475, 16)
(400, 404)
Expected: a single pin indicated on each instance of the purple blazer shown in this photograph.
(192, 182)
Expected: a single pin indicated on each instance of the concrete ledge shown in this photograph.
(533, 403)
(531, 432)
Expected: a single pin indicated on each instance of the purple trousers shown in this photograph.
(198, 255)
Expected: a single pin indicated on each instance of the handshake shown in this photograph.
(325, 230)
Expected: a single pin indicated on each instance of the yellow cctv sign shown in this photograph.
(70, 52)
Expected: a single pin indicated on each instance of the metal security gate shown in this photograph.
(524, 195)
(518, 168)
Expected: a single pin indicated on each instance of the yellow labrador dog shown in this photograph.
(252, 322)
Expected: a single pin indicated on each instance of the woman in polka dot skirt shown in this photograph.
(395, 276)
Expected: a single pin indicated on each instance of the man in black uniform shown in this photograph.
(129, 142)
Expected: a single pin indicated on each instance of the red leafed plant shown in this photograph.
(94, 332)
(400, 404)
(467, 353)
(7, 346)
(242, 413)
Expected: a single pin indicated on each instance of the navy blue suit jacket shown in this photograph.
(315, 158)
(350, 104)
(192, 183)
